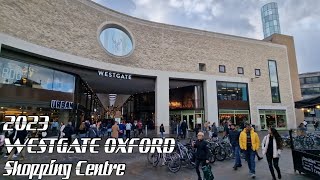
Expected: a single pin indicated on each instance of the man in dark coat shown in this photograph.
(68, 131)
(202, 153)
(184, 128)
(234, 140)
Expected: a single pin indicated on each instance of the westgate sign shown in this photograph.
(114, 75)
(56, 104)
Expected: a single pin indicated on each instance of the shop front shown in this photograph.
(233, 102)
(273, 118)
(186, 104)
(28, 89)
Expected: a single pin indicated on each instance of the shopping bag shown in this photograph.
(207, 173)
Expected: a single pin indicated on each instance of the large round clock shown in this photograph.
(116, 41)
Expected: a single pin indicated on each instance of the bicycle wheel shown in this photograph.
(174, 165)
(155, 159)
(220, 153)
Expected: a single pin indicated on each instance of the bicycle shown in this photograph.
(172, 160)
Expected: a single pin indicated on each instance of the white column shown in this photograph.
(210, 101)
(162, 103)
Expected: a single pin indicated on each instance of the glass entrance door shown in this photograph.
(190, 122)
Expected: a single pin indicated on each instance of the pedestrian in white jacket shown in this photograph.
(271, 147)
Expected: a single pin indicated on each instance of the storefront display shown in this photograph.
(273, 118)
(235, 116)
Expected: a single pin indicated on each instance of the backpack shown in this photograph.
(207, 173)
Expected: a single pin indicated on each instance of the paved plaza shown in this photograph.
(138, 167)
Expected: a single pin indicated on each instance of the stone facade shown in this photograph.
(73, 27)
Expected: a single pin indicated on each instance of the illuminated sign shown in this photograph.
(114, 75)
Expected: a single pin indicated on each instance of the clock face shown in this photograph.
(116, 42)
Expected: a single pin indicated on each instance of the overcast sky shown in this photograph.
(298, 18)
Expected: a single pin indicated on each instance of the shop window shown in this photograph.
(63, 82)
(240, 70)
(273, 118)
(222, 68)
(41, 78)
(257, 72)
(234, 116)
(202, 67)
(229, 91)
(13, 72)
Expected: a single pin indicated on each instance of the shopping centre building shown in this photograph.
(65, 58)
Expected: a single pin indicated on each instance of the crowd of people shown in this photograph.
(247, 141)
(86, 129)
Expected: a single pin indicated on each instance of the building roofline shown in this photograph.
(174, 27)
(306, 73)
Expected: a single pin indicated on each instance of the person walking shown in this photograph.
(271, 147)
(55, 127)
(122, 128)
(202, 152)
(68, 132)
(184, 128)
(197, 129)
(115, 130)
(250, 143)
(128, 129)
(214, 130)
(82, 131)
(140, 126)
(234, 135)
(135, 129)
(162, 130)
(62, 126)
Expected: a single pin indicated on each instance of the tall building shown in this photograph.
(310, 84)
(270, 19)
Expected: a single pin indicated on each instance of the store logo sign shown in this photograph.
(114, 75)
(56, 104)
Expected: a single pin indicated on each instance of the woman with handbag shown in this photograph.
(271, 147)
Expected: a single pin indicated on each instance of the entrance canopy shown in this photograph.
(308, 103)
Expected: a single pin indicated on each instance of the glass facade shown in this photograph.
(232, 91)
(184, 98)
(310, 91)
(116, 41)
(310, 80)
(233, 102)
(273, 118)
(270, 19)
(274, 83)
(23, 74)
